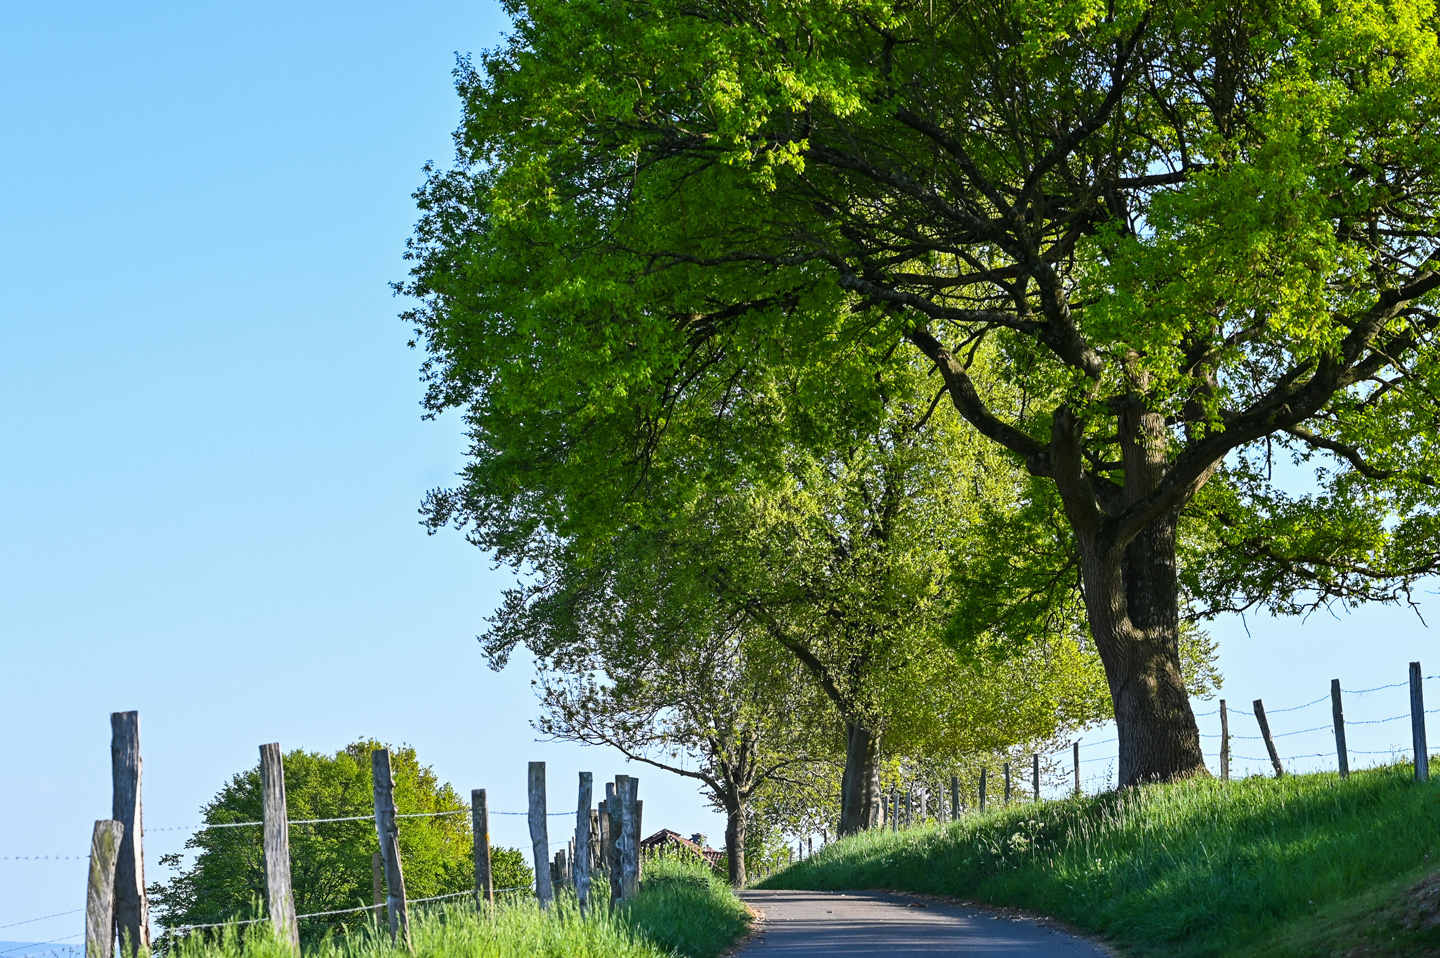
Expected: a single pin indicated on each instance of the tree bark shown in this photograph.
(735, 843)
(1132, 597)
(860, 786)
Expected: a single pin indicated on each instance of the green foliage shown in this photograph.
(330, 863)
(680, 911)
(1196, 868)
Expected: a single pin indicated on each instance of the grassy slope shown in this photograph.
(1306, 865)
(682, 909)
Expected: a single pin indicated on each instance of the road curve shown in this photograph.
(817, 924)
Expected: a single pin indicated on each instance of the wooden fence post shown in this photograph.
(594, 847)
(628, 788)
(1342, 754)
(132, 909)
(955, 798)
(1269, 742)
(639, 830)
(982, 789)
(100, 889)
(279, 897)
(582, 840)
(480, 829)
(603, 821)
(617, 819)
(539, 834)
(1077, 766)
(1417, 723)
(1224, 743)
(1007, 783)
(388, 831)
(1035, 774)
(377, 882)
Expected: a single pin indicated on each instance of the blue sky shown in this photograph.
(212, 444)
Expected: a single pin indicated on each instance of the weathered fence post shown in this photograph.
(1077, 766)
(132, 909)
(388, 833)
(1035, 775)
(540, 834)
(1007, 783)
(1269, 742)
(955, 798)
(628, 787)
(617, 819)
(594, 847)
(1342, 754)
(582, 840)
(279, 897)
(377, 882)
(100, 889)
(1417, 723)
(480, 830)
(982, 789)
(602, 821)
(639, 829)
(1224, 743)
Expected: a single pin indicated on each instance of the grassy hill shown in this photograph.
(1300, 866)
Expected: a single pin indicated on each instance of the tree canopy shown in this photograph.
(329, 863)
(1188, 232)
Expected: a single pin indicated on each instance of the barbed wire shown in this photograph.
(1296, 708)
(28, 921)
(44, 858)
(343, 818)
(52, 941)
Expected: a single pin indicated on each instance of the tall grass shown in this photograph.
(681, 909)
(1196, 868)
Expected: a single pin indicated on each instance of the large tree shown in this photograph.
(1191, 231)
(848, 562)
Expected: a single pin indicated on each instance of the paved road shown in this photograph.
(813, 924)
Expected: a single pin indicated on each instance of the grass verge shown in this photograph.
(682, 909)
(1304, 865)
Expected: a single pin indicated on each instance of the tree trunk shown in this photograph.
(735, 843)
(860, 786)
(1132, 598)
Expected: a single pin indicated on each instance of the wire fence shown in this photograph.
(1061, 776)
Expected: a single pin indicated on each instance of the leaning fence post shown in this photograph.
(539, 834)
(581, 858)
(377, 882)
(100, 889)
(1077, 766)
(280, 898)
(1417, 723)
(1007, 783)
(132, 909)
(1224, 743)
(1341, 752)
(982, 789)
(1035, 775)
(1269, 742)
(480, 829)
(388, 832)
(955, 798)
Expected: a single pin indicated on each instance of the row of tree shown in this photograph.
(895, 380)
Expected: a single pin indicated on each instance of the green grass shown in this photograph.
(1304, 865)
(682, 909)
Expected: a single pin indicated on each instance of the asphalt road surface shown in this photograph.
(817, 924)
